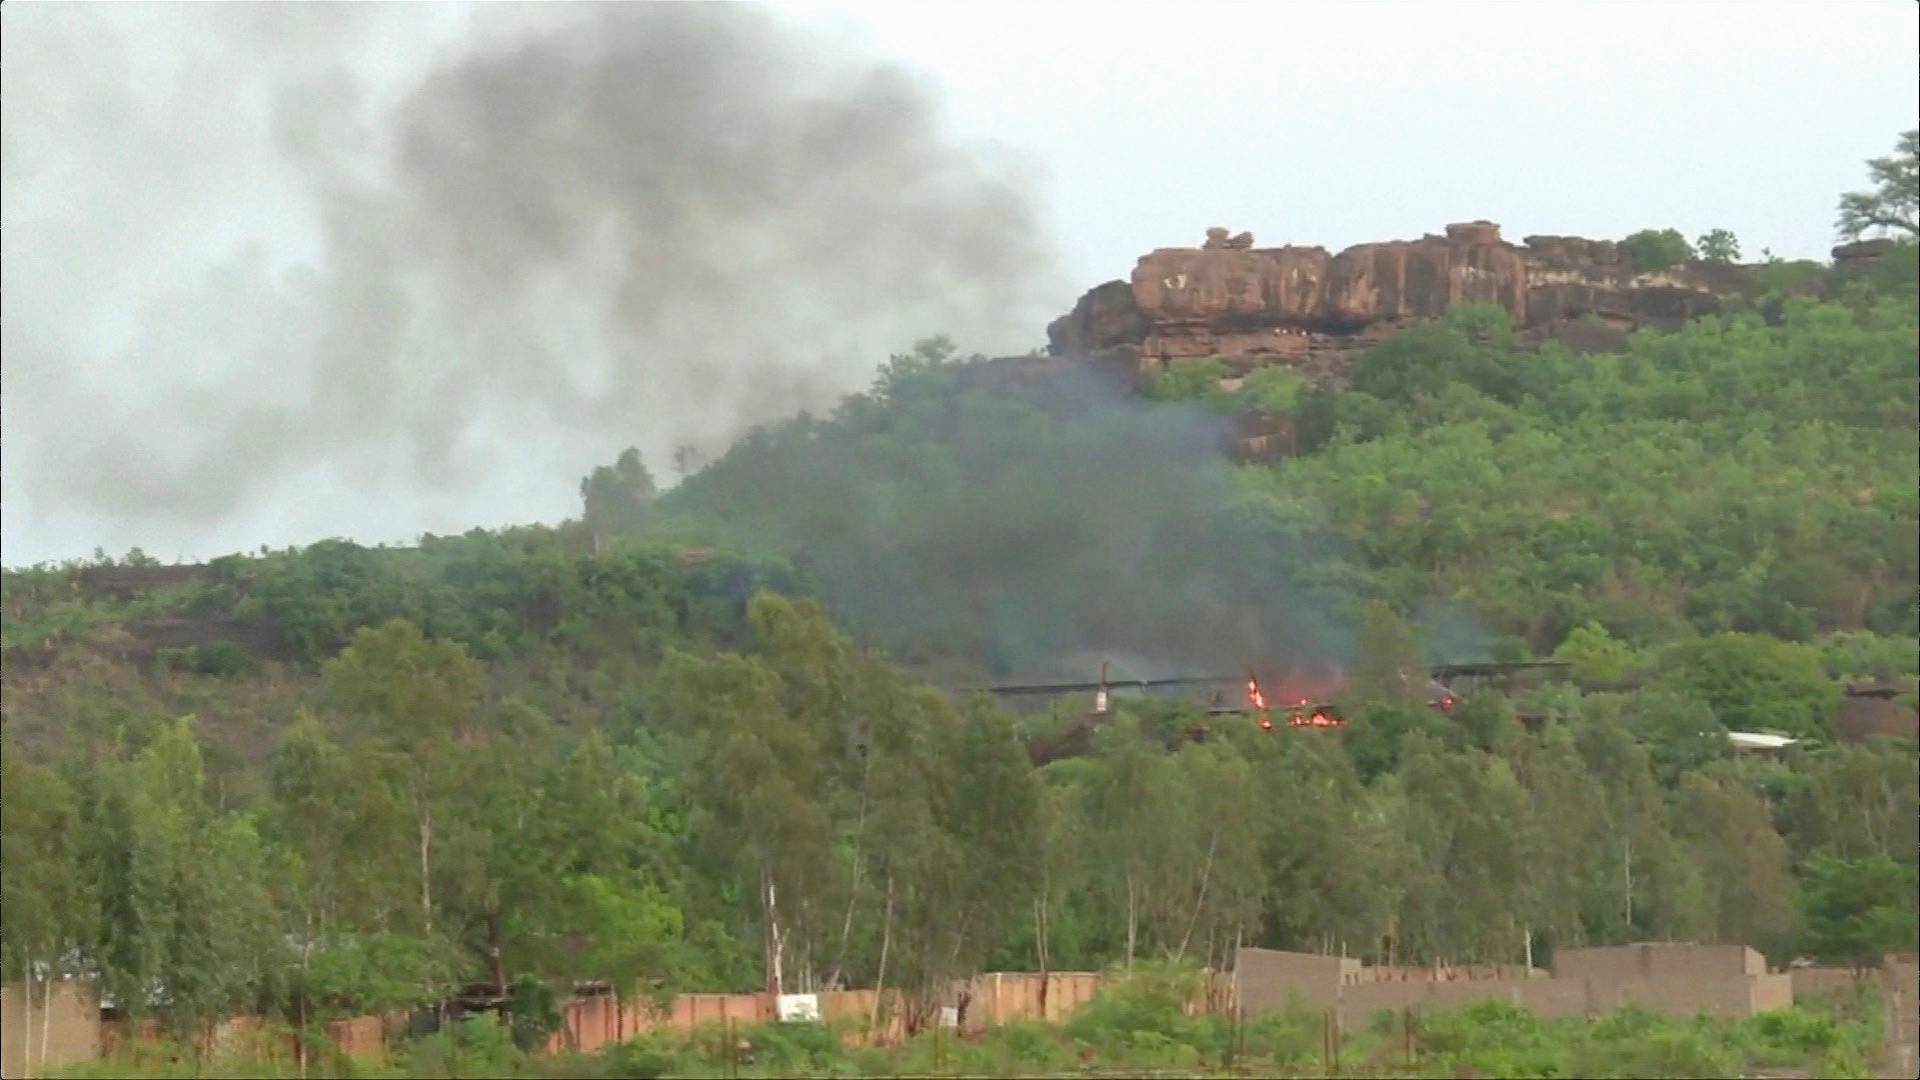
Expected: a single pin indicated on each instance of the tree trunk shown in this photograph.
(306, 952)
(26, 1020)
(493, 952)
(1133, 919)
(886, 941)
(46, 1012)
(1040, 947)
(853, 895)
(1626, 865)
(1200, 901)
(426, 859)
(1529, 952)
(774, 945)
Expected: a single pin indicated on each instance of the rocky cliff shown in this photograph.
(1249, 306)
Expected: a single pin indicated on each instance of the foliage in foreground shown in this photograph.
(1138, 1025)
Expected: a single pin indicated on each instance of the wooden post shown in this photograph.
(1406, 1026)
(1243, 1031)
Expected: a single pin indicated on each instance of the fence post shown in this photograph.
(1334, 1016)
(1406, 1025)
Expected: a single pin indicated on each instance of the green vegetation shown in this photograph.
(1136, 1028)
(799, 804)
(1655, 249)
(689, 741)
(1893, 206)
(1718, 245)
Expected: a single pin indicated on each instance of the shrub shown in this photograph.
(1150, 999)
(1197, 380)
(1656, 249)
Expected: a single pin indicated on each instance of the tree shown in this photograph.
(1142, 826)
(1571, 881)
(188, 928)
(1277, 389)
(993, 816)
(1854, 911)
(1596, 656)
(409, 696)
(1489, 723)
(616, 497)
(1390, 666)
(1467, 818)
(1719, 245)
(753, 778)
(1330, 846)
(1856, 801)
(1680, 731)
(46, 900)
(1655, 249)
(1754, 683)
(344, 827)
(1649, 890)
(1729, 835)
(1894, 203)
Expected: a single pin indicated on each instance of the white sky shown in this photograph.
(1318, 123)
(1343, 123)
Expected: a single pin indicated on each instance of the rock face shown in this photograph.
(1861, 254)
(1249, 306)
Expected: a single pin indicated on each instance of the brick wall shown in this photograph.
(1822, 980)
(1771, 992)
(587, 1024)
(1679, 979)
(1000, 997)
(359, 1036)
(1657, 960)
(1265, 979)
(868, 1025)
(1900, 992)
(68, 1032)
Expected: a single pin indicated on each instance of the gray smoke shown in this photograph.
(357, 261)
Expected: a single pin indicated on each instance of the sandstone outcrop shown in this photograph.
(1861, 254)
(1248, 306)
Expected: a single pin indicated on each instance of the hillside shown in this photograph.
(690, 740)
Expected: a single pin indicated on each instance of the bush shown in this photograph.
(1197, 380)
(1754, 683)
(1030, 1046)
(1277, 389)
(475, 1046)
(1656, 249)
(1290, 1039)
(1151, 999)
(795, 1049)
(1498, 1039)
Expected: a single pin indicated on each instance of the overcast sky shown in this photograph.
(284, 272)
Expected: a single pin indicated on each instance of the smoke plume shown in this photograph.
(1035, 518)
(372, 270)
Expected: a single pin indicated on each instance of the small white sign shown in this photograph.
(799, 1008)
(949, 1016)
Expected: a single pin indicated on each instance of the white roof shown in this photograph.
(1754, 740)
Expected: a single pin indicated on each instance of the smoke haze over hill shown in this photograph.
(281, 274)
